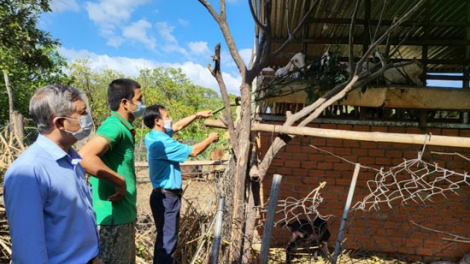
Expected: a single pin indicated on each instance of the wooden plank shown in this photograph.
(419, 139)
(190, 163)
(393, 97)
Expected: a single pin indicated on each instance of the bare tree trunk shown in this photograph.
(249, 227)
(18, 125)
(244, 145)
(10, 97)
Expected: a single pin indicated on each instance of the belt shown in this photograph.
(171, 191)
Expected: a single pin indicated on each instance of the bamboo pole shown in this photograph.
(419, 139)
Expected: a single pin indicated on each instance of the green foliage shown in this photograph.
(28, 55)
(328, 76)
(165, 86)
(94, 85)
(171, 88)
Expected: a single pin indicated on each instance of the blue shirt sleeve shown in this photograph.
(25, 196)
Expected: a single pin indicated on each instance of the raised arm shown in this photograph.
(189, 119)
(92, 163)
(201, 146)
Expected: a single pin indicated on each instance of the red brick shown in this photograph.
(393, 154)
(319, 142)
(361, 128)
(367, 161)
(344, 182)
(368, 144)
(342, 151)
(383, 161)
(345, 127)
(450, 132)
(325, 165)
(434, 131)
(328, 126)
(464, 133)
(401, 130)
(351, 143)
(425, 251)
(414, 130)
(384, 145)
(379, 129)
(308, 164)
(334, 142)
(277, 162)
(376, 153)
(332, 173)
(359, 152)
(292, 163)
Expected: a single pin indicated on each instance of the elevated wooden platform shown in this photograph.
(391, 97)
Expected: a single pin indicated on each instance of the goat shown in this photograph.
(408, 74)
(297, 62)
(316, 233)
(319, 64)
(405, 75)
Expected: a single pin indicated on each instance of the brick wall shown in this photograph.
(390, 231)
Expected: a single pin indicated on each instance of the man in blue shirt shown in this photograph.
(47, 198)
(164, 155)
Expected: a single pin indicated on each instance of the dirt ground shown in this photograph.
(197, 191)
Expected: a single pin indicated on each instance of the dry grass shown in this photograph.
(10, 148)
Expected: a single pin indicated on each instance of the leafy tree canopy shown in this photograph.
(27, 54)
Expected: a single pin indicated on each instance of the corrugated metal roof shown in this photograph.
(440, 26)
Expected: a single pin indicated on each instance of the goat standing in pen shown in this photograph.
(315, 234)
(297, 62)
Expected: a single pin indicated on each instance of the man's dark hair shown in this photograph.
(121, 89)
(151, 113)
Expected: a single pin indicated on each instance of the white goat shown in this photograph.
(405, 74)
(296, 62)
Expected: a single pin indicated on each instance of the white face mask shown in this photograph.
(86, 126)
(168, 126)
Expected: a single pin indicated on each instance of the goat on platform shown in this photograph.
(315, 234)
(405, 75)
(297, 62)
(408, 74)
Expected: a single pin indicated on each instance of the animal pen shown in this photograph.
(408, 137)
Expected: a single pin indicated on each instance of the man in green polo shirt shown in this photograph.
(109, 157)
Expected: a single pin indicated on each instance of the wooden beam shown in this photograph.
(393, 41)
(391, 97)
(466, 65)
(387, 23)
(366, 36)
(433, 140)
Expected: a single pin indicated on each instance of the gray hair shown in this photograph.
(51, 101)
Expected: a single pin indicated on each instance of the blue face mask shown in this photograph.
(86, 126)
(139, 111)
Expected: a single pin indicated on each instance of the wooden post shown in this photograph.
(268, 226)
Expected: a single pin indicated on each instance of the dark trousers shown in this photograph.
(166, 214)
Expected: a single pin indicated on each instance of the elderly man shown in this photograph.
(47, 198)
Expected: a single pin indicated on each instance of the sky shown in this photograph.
(131, 35)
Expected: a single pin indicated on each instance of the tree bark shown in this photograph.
(10, 98)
